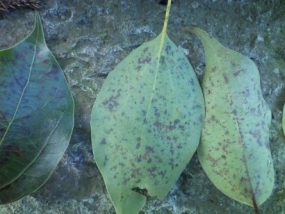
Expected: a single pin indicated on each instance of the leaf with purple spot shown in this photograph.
(146, 123)
(36, 115)
(234, 149)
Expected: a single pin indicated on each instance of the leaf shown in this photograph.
(234, 149)
(36, 116)
(146, 123)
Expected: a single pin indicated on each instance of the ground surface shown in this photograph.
(90, 37)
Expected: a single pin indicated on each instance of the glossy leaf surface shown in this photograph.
(146, 123)
(234, 149)
(36, 115)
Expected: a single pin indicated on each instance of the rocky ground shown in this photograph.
(90, 37)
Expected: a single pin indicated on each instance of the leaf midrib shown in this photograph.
(163, 36)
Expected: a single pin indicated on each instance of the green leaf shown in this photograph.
(146, 123)
(234, 149)
(36, 115)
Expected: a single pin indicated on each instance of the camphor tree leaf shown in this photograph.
(146, 122)
(36, 115)
(234, 149)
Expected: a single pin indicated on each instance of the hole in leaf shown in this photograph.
(141, 191)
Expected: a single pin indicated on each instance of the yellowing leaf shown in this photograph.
(146, 123)
(234, 149)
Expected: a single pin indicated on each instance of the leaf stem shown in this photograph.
(164, 29)
(255, 206)
(161, 45)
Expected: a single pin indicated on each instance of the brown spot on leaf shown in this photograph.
(103, 141)
(139, 158)
(168, 127)
(158, 159)
(171, 163)
(138, 68)
(149, 149)
(214, 69)
(156, 112)
(126, 180)
(179, 146)
(138, 145)
(121, 164)
(171, 149)
(168, 49)
(162, 173)
(145, 49)
(236, 73)
(152, 171)
(105, 160)
(226, 78)
(135, 172)
(138, 181)
(111, 103)
(234, 64)
(234, 112)
(108, 131)
(145, 60)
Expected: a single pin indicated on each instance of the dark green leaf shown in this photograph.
(36, 115)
